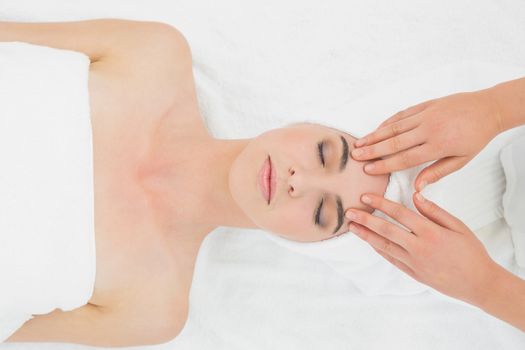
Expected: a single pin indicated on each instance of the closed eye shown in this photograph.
(320, 148)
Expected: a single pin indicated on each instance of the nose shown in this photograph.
(301, 181)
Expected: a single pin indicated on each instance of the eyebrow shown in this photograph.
(344, 154)
(342, 166)
(339, 214)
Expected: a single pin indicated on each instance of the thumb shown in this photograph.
(437, 214)
(438, 170)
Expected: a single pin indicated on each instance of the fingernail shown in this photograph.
(369, 167)
(360, 142)
(365, 199)
(357, 153)
(422, 185)
(350, 215)
(420, 197)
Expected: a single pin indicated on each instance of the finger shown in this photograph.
(379, 242)
(404, 114)
(402, 160)
(398, 212)
(439, 170)
(437, 214)
(389, 146)
(387, 132)
(382, 227)
(400, 265)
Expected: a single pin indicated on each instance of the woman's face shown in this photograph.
(313, 180)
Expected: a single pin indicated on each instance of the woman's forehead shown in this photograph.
(321, 127)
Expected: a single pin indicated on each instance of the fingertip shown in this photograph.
(366, 199)
(351, 215)
(421, 181)
(419, 200)
(369, 168)
(356, 153)
(360, 142)
(422, 185)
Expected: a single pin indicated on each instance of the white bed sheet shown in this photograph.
(261, 65)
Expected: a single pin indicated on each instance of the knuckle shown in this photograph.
(389, 231)
(386, 246)
(366, 151)
(396, 212)
(385, 229)
(396, 129)
(405, 159)
(395, 144)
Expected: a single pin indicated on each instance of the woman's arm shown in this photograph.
(96, 326)
(96, 38)
(504, 298)
(509, 98)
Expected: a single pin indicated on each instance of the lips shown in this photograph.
(267, 180)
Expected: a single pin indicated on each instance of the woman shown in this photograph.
(162, 183)
(157, 171)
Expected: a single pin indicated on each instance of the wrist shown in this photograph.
(508, 102)
(493, 97)
(488, 285)
(494, 289)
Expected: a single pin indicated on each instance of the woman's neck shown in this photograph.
(188, 186)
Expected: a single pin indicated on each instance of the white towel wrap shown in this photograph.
(513, 160)
(47, 243)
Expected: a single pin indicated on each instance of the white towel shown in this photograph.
(513, 160)
(47, 246)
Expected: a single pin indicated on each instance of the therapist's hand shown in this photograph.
(451, 130)
(440, 251)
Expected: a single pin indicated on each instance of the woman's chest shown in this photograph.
(130, 253)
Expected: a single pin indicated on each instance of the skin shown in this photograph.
(162, 183)
(302, 181)
(441, 251)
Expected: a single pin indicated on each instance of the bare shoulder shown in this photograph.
(148, 73)
(155, 53)
(98, 326)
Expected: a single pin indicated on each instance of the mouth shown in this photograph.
(267, 180)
